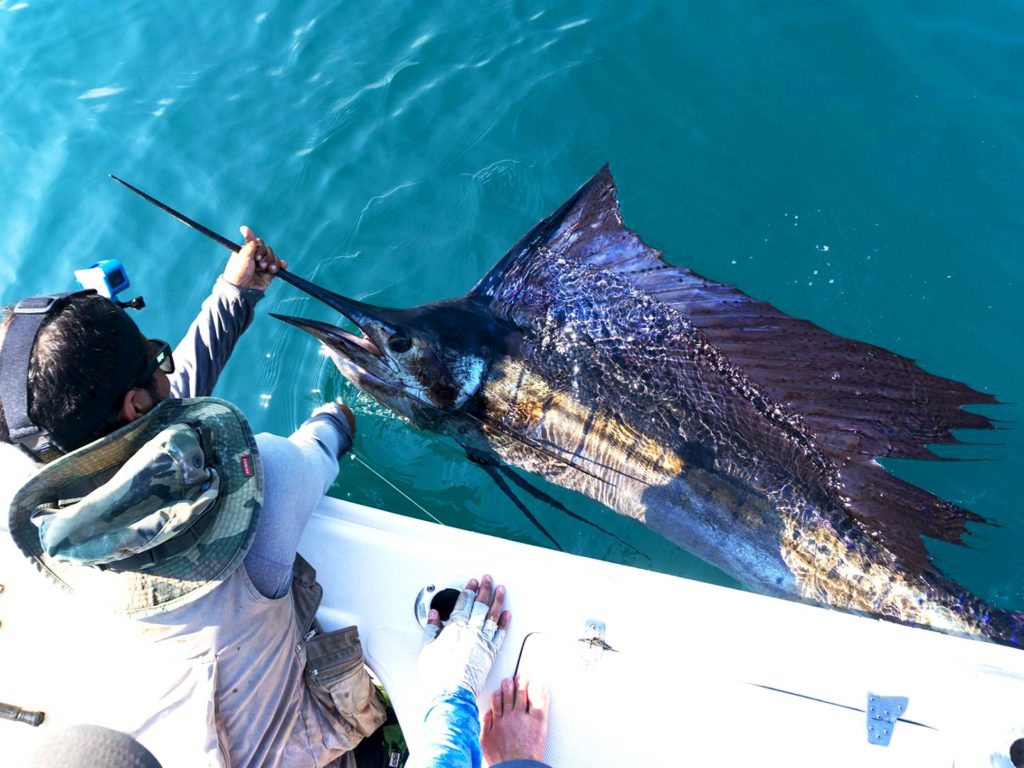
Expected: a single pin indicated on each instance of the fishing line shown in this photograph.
(833, 703)
(395, 487)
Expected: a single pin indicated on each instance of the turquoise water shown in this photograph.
(860, 165)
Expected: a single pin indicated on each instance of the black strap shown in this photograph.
(306, 594)
(15, 358)
(99, 413)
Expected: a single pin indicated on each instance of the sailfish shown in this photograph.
(745, 436)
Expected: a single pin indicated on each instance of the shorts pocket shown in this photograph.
(335, 672)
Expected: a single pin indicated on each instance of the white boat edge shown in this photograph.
(698, 674)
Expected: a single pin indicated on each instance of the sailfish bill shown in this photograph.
(745, 436)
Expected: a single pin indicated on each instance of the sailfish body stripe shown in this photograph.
(753, 539)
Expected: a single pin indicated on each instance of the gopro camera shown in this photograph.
(106, 277)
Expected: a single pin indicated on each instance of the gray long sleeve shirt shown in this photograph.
(209, 341)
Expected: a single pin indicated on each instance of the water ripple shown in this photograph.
(383, 82)
(102, 93)
(421, 40)
(573, 25)
(379, 198)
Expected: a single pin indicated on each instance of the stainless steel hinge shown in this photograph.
(883, 712)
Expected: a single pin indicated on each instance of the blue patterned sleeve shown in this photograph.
(452, 730)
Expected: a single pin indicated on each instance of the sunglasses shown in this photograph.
(160, 359)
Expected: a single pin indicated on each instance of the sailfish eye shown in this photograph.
(399, 342)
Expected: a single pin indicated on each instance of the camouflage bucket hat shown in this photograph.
(151, 516)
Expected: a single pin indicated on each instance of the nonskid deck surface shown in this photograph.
(695, 674)
(699, 674)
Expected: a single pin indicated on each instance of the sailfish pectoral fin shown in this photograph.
(540, 495)
(496, 471)
(493, 472)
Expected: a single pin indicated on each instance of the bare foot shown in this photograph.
(516, 725)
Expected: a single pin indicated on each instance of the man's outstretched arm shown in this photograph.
(203, 352)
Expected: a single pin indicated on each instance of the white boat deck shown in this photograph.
(700, 675)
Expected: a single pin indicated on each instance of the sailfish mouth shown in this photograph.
(358, 349)
(359, 358)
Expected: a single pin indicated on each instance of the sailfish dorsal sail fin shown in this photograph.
(855, 400)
